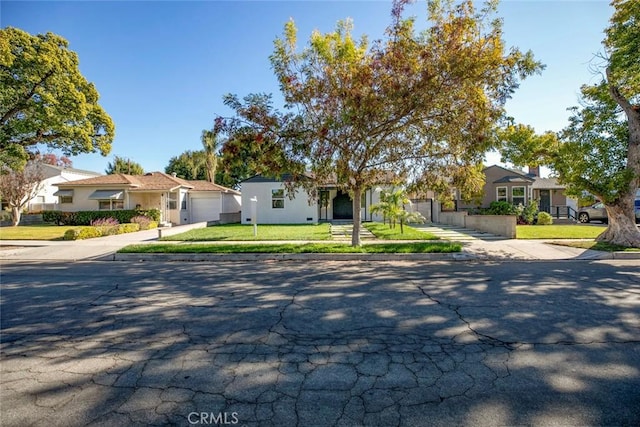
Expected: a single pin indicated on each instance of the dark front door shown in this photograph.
(545, 201)
(342, 206)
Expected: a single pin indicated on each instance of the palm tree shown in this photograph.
(210, 143)
(392, 206)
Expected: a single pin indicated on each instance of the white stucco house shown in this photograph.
(274, 206)
(45, 198)
(179, 201)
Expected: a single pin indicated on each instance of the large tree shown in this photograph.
(123, 165)
(44, 99)
(416, 103)
(209, 141)
(599, 151)
(18, 187)
(189, 165)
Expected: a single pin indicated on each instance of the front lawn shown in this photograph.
(33, 232)
(291, 248)
(382, 231)
(240, 232)
(567, 231)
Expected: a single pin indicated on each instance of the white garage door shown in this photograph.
(205, 208)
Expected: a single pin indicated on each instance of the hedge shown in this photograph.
(85, 217)
(99, 231)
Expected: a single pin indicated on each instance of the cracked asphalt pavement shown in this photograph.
(320, 343)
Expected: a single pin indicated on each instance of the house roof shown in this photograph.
(210, 186)
(73, 170)
(547, 184)
(513, 179)
(152, 181)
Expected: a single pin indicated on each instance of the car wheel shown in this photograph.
(583, 217)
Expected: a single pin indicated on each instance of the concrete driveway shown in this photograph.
(320, 344)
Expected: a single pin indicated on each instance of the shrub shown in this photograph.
(529, 212)
(501, 208)
(104, 222)
(153, 224)
(142, 221)
(82, 233)
(128, 228)
(87, 217)
(544, 218)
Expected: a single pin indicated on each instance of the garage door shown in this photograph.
(205, 208)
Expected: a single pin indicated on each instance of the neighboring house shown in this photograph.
(45, 198)
(274, 206)
(179, 201)
(518, 187)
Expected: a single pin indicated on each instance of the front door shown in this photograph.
(342, 206)
(545, 201)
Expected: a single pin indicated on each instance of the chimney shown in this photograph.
(173, 174)
(534, 170)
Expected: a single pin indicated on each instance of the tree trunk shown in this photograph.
(622, 229)
(15, 215)
(357, 203)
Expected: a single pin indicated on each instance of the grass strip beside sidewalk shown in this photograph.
(292, 248)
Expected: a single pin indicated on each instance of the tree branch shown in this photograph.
(6, 116)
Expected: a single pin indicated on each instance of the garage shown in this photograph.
(205, 207)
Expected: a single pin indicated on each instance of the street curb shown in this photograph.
(458, 256)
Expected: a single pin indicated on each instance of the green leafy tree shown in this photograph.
(123, 165)
(44, 99)
(417, 103)
(190, 165)
(599, 151)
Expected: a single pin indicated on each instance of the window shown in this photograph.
(501, 194)
(110, 205)
(172, 201)
(277, 199)
(183, 204)
(65, 199)
(517, 196)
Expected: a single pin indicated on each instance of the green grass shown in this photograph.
(33, 232)
(568, 231)
(596, 246)
(382, 231)
(290, 248)
(240, 232)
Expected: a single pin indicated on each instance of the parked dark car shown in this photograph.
(595, 212)
(637, 209)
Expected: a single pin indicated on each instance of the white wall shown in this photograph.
(54, 175)
(296, 211)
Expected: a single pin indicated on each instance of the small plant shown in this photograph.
(104, 222)
(143, 221)
(529, 212)
(545, 218)
(502, 208)
(82, 233)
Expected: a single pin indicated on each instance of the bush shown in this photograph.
(142, 221)
(153, 224)
(82, 233)
(529, 212)
(501, 208)
(544, 218)
(87, 217)
(128, 228)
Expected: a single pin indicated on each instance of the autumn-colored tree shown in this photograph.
(416, 103)
(44, 99)
(17, 188)
(124, 165)
(53, 159)
(599, 151)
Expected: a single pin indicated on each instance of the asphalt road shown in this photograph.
(320, 343)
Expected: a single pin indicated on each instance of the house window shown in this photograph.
(110, 205)
(277, 199)
(172, 201)
(183, 204)
(517, 196)
(501, 194)
(65, 199)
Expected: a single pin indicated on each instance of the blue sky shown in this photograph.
(162, 67)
